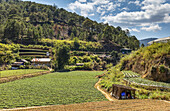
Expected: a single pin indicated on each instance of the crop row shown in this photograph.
(145, 82)
(37, 56)
(130, 74)
(52, 89)
(8, 73)
(32, 50)
(32, 53)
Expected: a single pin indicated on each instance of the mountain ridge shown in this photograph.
(145, 41)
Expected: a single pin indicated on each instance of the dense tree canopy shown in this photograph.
(27, 22)
(62, 56)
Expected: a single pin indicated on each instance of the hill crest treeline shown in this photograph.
(28, 22)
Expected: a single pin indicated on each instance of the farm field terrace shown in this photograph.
(52, 89)
(135, 78)
(8, 73)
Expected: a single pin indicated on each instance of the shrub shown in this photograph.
(162, 69)
(86, 59)
(73, 60)
(153, 70)
(21, 67)
(108, 66)
(88, 66)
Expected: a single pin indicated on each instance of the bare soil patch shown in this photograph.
(121, 105)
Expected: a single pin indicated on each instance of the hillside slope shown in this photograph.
(145, 41)
(29, 22)
(152, 62)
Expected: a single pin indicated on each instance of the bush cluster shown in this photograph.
(77, 45)
(8, 53)
(92, 62)
(33, 67)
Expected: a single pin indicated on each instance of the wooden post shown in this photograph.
(125, 93)
(119, 94)
(112, 89)
(134, 94)
(115, 91)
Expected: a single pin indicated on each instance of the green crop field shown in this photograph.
(52, 89)
(130, 74)
(146, 82)
(8, 73)
(135, 78)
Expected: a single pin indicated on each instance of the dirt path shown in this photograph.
(106, 94)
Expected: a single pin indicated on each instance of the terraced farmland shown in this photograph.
(146, 82)
(130, 74)
(52, 89)
(32, 52)
(135, 78)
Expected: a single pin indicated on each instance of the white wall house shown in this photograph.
(41, 61)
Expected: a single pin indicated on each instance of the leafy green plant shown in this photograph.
(52, 89)
(162, 69)
(8, 73)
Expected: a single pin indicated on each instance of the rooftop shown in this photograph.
(122, 86)
(41, 60)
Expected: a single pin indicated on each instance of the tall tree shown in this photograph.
(62, 56)
(12, 30)
(87, 24)
(142, 45)
(107, 33)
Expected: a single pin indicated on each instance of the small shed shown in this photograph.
(17, 64)
(104, 56)
(79, 64)
(123, 92)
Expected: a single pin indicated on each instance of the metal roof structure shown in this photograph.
(23, 60)
(41, 60)
(165, 39)
(124, 87)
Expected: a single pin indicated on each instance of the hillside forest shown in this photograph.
(29, 23)
(31, 31)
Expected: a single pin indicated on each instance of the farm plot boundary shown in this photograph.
(134, 78)
(18, 77)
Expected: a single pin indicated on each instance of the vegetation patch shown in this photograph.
(130, 74)
(51, 89)
(146, 82)
(135, 78)
(8, 73)
(146, 89)
(22, 75)
(150, 62)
